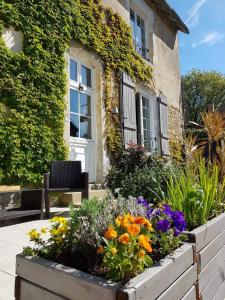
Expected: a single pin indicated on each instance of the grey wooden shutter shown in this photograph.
(128, 111)
(163, 116)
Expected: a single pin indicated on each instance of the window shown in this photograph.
(80, 100)
(138, 33)
(145, 123)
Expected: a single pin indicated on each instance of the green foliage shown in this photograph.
(202, 90)
(32, 82)
(198, 194)
(137, 174)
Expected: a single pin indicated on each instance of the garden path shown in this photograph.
(12, 240)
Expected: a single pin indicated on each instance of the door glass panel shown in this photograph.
(85, 127)
(86, 76)
(85, 105)
(74, 125)
(74, 101)
(73, 70)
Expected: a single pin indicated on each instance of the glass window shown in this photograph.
(86, 76)
(74, 125)
(73, 70)
(146, 123)
(138, 32)
(85, 104)
(74, 101)
(85, 127)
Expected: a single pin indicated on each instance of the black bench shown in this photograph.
(65, 176)
(32, 202)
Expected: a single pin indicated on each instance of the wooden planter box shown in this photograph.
(172, 278)
(209, 241)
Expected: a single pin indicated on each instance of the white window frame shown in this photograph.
(151, 125)
(134, 34)
(74, 85)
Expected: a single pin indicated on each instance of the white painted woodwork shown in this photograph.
(181, 286)
(220, 294)
(13, 39)
(206, 233)
(154, 281)
(214, 285)
(191, 295)
(210, 269)
(207, 253)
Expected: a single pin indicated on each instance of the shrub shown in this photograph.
(136, 173)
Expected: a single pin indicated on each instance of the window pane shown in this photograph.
(86, 76)
(85, 104)
(73, 70)
(74, 125)
(146, 124)
(74, 101)
(85, 127)
(145, 102)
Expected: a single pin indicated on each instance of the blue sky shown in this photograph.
(204, 48)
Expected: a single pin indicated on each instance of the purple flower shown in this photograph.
(167, 210)
(176, 232)
(149, 213)
(142, 201)
(163, 225)
(179, 221)
(153, 213)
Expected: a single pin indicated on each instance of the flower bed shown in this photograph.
(120, 247)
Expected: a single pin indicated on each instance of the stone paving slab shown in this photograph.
(12, 240)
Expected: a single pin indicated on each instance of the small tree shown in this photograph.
(202, 91)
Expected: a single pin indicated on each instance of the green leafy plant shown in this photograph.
(198, 195)
(33, 81)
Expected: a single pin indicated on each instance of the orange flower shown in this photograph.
(124, 238)
(131, 218)
(100, 250)
(110, 233)
(133, 229)
(125, 222)
(144, 242)
(141, 253)
(140, 220)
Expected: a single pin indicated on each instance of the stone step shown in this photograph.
(75, 198)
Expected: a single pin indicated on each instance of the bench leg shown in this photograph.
(47, 205)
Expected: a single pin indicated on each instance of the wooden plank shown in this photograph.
(154, 281)
(214, 284)
(210, 269)
(62, 280)
(220, 294)
(30, 291)
(207, 253)
(191, 295)
(181, 286)
(204, 234)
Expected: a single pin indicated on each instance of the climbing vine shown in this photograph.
(33, 81)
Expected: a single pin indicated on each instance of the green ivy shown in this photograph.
(33, 82)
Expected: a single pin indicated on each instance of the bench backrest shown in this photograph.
(65, 174)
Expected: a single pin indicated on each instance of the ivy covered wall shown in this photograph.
(33, 81)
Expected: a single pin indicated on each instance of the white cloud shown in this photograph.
(194, 14)
(210, 38)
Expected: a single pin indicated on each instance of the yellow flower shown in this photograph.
(144, 242)
(33, 234)
(114, 251)
(44, 230)
(54, 219)
(54, 232)
(62, 229)
(119, 220)
(131, 218)
(149, 225)
(110, 233)
(141, 253)
(124, 239)
(125, 221)
(100, 250)
(133, 229)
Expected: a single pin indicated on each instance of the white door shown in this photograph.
(82, 127)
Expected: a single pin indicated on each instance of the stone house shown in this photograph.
(150, 117)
